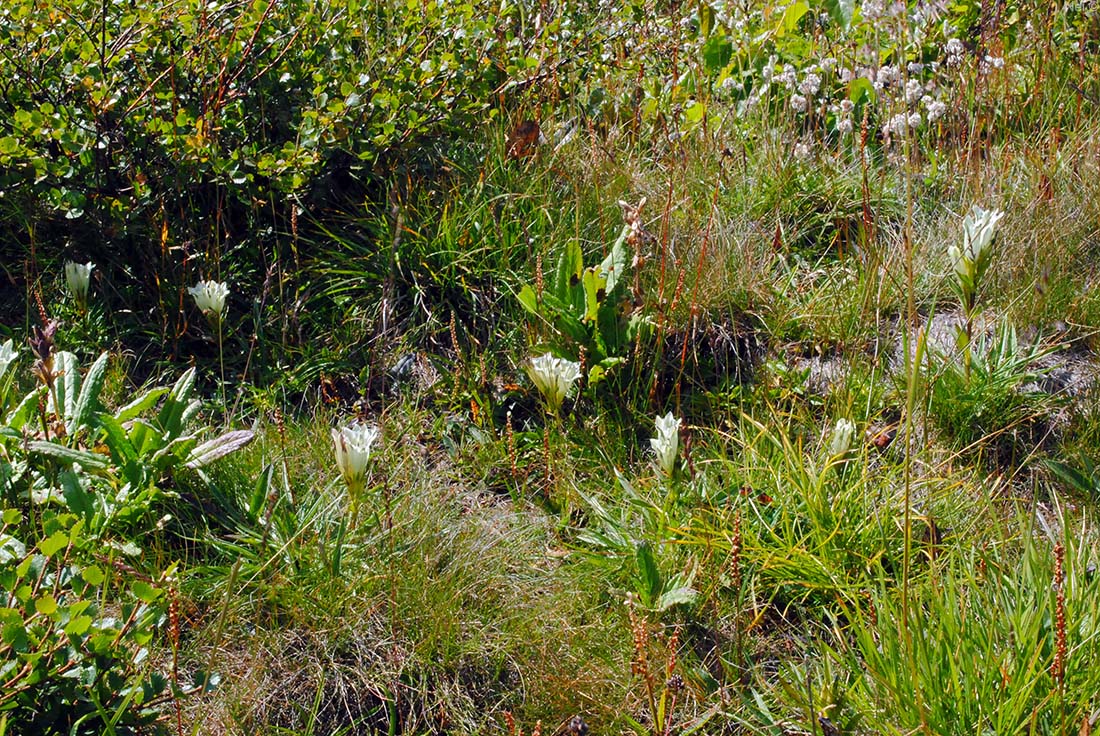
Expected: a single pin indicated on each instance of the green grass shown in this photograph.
(380, 228)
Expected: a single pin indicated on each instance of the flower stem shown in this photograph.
(221, 366)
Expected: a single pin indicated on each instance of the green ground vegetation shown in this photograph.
(653, 368)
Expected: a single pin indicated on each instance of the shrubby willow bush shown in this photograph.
(165, 139)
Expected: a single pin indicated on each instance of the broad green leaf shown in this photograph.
(840, 11)
(26, 409)
(676, 596)
(218, 447)
(67, 385)
(140, 404)
(260, 492)
(144, 591)
(568, 276)
(77, 497)
(791, 17)
(614, 266)
(87, 460)
(53, 544)
(89, 394)
(649, 577)
(860, 90)
(717, 52)
(46, 604)
(171, 414)
(122, 451)
(595, 291)
(528, 299)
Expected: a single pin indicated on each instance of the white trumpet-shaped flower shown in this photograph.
(210, 298)
(979, 227)
(8, 354)
(353, 445)
(843, 433)
(554, 377)
(78, 277)
(666, 444)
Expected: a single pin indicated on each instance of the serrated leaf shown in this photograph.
(11, 549)
(144, 591)
(218, 447)
(46, 604)
(92, 575)
(79, 626)
(53, 544)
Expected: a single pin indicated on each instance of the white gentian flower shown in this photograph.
(553, 377)
(979, 226)
(667, 442)
(8, 354)
(843, 433)
(78, 277)
(353, 445)
(210, 298)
